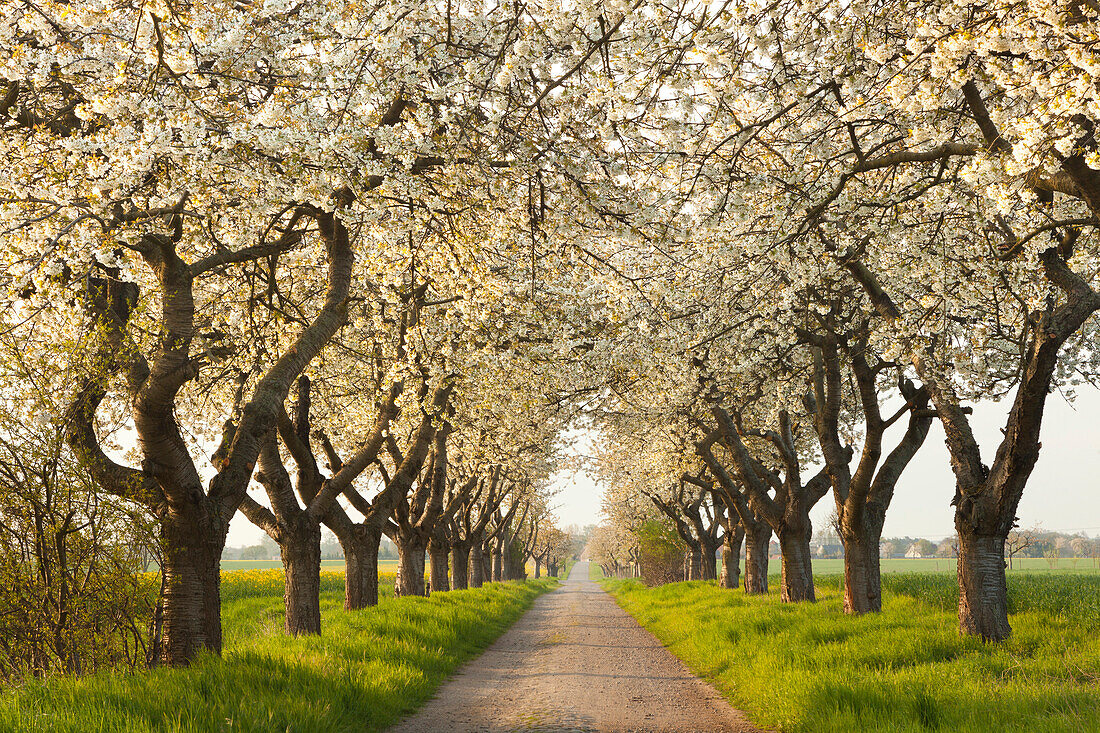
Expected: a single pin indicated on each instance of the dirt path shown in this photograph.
(576, 662)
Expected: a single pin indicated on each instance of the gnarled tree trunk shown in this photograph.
(191, 617)
(731, 556)
(797, 581)
(360, 544)
(301, 555)
(460, 566)
(983, 590)
(410, 566)
(477, 564)
(758, 538)
(862, 578)
(439, 554)
(708, 567)
(695, 562)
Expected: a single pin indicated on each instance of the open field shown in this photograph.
(948, 565)
(384, 565)
(1084, 566)
(808, 667)
(366, 669)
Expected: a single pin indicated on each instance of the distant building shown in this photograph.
(826, 545)
(913, 553)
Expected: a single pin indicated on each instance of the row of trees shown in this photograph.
(257, 261)
(761, 248)
(871, 214)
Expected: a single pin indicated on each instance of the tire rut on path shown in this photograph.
(576, 662)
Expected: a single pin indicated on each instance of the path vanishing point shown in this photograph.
(576, 662)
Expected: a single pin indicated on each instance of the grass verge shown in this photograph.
(595, 572)
(803, 667)
(367, 669)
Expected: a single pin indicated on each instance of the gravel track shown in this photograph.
(576, 662)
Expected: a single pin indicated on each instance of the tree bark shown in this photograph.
(360, 544)
(731, 556)
(538, 568)
(191, 617)
(498, 564)
(477, 564)
(983, 590)
(439, 554)
(797, 583)
(460, 566)
(695, 562)
(862, 579)
(758, 537)
(708, 569)
(301, 555)
(487, 563)
(410, 567)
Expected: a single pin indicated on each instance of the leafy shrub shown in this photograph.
(661, 554)
(73, 596)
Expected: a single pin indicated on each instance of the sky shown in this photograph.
(1063, 493)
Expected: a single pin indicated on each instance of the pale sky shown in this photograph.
(1063, 493)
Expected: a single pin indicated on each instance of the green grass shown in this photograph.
(367, 669)
(948, 565)
(808, 667)
(566, 568)
(595, 572)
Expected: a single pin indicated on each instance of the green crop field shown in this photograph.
(384, 565)
(948, 565)
(1083, 566)
(366, 669)
(808, 667)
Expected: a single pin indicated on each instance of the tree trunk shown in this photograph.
(731, 557)
(709, 562)
(439, 554)
(410, 567)
(191, 600)
(983, 590)
(477, 565)
(538, 568)
(498, 565)
(862, 581)
(301, 554)
(360, 546)
(797, 583)
(758, 537)
(695, 569)
(460, 566)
